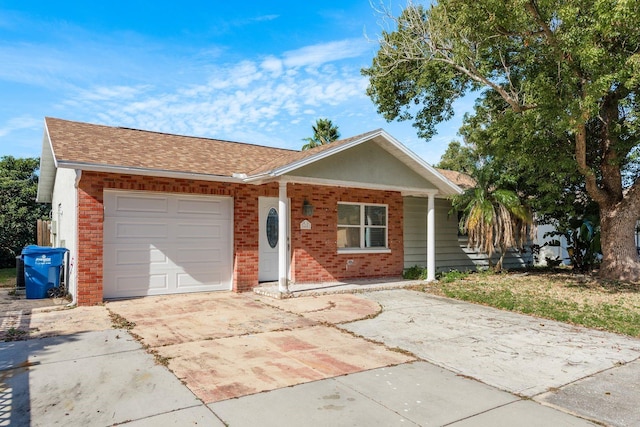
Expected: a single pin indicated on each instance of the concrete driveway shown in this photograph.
(591, 373)
(378, 358)
(227, 345)
(389, 356)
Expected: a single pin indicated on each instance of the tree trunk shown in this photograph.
(619, 210)
(498, 267)
(617, 233)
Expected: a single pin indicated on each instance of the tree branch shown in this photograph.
(597, 193)
(419, 41)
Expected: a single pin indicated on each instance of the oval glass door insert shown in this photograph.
(272, 227)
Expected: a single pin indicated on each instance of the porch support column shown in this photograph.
(431, 238)
(283, 241)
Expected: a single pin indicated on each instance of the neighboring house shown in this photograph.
(552, 248)
(147, 213)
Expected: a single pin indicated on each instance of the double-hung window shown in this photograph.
(362, 227)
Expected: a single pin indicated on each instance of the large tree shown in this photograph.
(324, 132)
(531, 158)
(568, 67)
(19, 211)
(459, 157)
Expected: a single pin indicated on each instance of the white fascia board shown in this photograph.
(147, 172)
(47, 169)
(398, 145)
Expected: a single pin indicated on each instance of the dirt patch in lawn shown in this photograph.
(560, 295)
(563, 285)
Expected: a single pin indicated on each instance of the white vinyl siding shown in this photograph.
(64, 221)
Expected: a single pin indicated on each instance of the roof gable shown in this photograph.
(287, 165)
(365, 163)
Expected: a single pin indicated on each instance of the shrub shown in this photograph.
(415, 273)
(452, 276)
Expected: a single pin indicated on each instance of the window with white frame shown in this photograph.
(362, 226)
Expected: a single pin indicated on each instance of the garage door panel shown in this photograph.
(188, 248)
(200, 256)
(132, 256)
(138, 205)
(116, 229)
(142, 284)
(192, 282)
(213, 208)
(201, 231)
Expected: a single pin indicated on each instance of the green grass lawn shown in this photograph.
(7, 277)
(563, 296)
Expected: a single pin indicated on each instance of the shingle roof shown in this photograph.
(83, 143)
(86, 146)
(460, 179)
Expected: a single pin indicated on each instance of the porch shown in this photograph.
(350, 286)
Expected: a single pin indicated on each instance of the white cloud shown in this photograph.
(265, 18)
(272, 65)
(238, 100)
(238, 96)
(104, 93)
(19, 123)
(325, 52)
(195, 94)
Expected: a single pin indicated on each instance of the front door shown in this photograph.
(268, 243)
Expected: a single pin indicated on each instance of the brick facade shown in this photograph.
(314, 252)
(315, 255)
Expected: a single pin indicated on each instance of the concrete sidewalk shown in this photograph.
(524, 355)
(105, 378)
(97, 378)
(414, 394)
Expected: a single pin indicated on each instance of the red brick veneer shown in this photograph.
(315, 255)
(314, 252)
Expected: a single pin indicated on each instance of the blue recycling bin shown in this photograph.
(42, 269)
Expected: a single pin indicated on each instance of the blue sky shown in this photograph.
(255, 71)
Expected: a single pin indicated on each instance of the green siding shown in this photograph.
(451, 251)
(367, 163)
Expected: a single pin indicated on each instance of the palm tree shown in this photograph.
(493, 218)
(324, 132)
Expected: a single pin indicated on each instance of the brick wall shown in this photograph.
(90, 224)
(89, 260)
(314, 252)
(315, 255)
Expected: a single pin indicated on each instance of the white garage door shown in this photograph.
(157, 243)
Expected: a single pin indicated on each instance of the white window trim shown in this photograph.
(362, 226)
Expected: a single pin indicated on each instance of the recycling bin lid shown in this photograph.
(35, 249)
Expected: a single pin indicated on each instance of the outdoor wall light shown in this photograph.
(307, 208)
